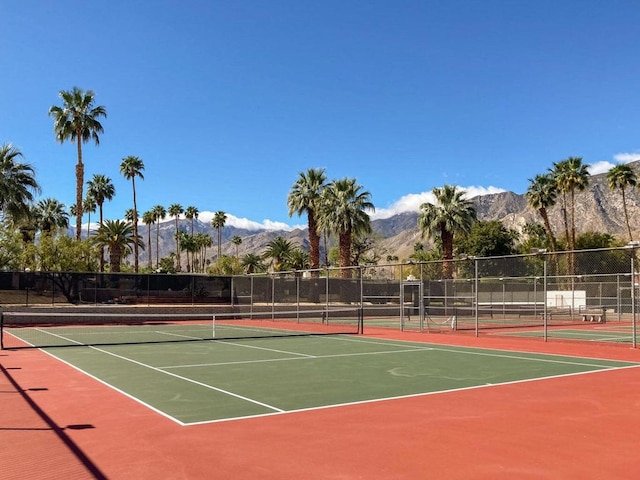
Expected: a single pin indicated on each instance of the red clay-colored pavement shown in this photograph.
(64, 424)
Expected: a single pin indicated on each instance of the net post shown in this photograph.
(361, 320)
(1, 328)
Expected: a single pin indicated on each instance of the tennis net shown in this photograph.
(58, 329)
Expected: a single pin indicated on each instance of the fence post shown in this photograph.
(476, 296)
(633, 299)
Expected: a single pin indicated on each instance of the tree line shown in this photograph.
(34, 234)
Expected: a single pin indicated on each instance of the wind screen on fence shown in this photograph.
(554, 289)
(324, 287)
(50, 329)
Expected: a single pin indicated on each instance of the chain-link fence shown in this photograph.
(528, 294)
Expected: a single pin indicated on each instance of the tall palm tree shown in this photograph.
(304, 198)
(191, 213)
(175, 210)
(571, 175)
(17, 183)
(149, 218)
(451, 213)
(188, 245)
(343, 211)
(236, 241)
(89, 205)
(117, 237)
(132, 167)
(541, 195)
(202, 242)
(77, 120)
(101, 188)
(219, 219)
(49, 215)
(620, 177)
(159, 213)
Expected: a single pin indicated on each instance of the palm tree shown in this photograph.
(117, 236)
(298, 259)
(304, 198)
(89, 205)
(278, 250)
(175, 209)
(343, 211)
(191, 213)
(132, 167)
(149, 218)
(78, 120)
(252, 263)
(450, 214)
(571, 175)
(100, 188)
(49, 214)
(541, 195)
(17, 183)
(219, 219)
(236, 241)
(159, 213)
(188, 245)
(202, 242)
(623, 176)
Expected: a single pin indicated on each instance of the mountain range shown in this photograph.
(598, 208)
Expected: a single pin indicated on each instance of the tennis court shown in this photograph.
(615, 334)
(206, 381)
(255, 396)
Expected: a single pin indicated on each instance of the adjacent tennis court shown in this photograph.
(196, 382)
(620, 333)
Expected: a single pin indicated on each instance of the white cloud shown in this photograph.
(412, 201)
(600, 167)
(626, 157)
(604, 166)
(244, 223)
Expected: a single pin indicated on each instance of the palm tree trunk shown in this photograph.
(79, 185)
(101, 248)
(158, 243)
(547, 226)
(345, 253)
(178, 267)
(314, 241)
(626, 214)
(447, 253)
(150, 262)
(565, 218)
(115, 256)
(135, 227)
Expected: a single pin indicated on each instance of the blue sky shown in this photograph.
(226, 101)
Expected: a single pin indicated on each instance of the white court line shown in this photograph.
(276, 411)
(412, 395)
(255, 347)
(189, 380)
(473, 351)
(307, 357)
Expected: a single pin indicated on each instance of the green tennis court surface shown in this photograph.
(603, 334)
(207, 381)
